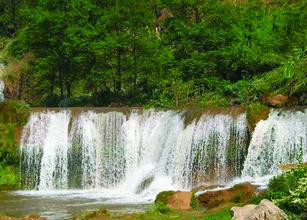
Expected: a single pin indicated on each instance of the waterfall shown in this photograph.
(281, 139)
(1, 91)
(107, 150)
(147, 151)
(44, 151)
(2, 86)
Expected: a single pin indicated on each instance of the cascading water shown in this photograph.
(1, 91)
(110, 157)
(281, 139)
(90, 150)
(1, 85)
(44, 151)
(144, 152)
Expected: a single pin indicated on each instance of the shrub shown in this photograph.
(289, 191)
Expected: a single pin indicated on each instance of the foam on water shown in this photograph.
(135, 156)
(281, 139)
(132, 157)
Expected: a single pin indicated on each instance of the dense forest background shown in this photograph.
(162, 53)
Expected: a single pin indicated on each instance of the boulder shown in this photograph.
(180, 200)
(279, 101)
(239, 193)
(205, 187)
(144, 184)
(266, 210)
(175, 200)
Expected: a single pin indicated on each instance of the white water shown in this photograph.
(281, 139)
(1, 90)
(130, 158)
(1, 84)
(112, 152)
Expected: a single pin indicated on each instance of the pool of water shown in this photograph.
(63, 205)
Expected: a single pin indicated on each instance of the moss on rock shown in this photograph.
(162, 197)
(255, 113)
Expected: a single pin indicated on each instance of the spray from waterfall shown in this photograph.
(2, 86)
(112, 150)
(281, 139)
(1, 91)
(145, 152)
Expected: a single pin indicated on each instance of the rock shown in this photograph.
(288, 167)
(144, 184)
(239, 193)
(180, 200)
(175, 200)
(266, 210)
(279, 101)
(206, 187)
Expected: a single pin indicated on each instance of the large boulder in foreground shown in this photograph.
(239, 193)
(266, 210)
(175, 200)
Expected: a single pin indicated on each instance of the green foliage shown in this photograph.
(256, 112)
(13, 111)
(195, 202)
(169, 54)
(290, 79)
(162, 208)
(8, 176)
(289, 192)
(222, 215)
(13, 115)
(162, 197)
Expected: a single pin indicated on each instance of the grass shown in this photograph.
(153, 213)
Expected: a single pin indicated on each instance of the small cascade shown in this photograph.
(1, 91)
(137, 152)
(44, 151)
(2, 85)
(281, 139)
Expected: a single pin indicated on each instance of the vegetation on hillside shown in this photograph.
(158, 53)
(13, 115)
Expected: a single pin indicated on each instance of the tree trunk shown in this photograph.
(134, 69)
(119, 73)
(61, 84)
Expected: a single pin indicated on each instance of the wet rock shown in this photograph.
(144, 184)
(279, 101)
(180, 200)
(238, 193)
(175, 200)
(289, 167)
(255, 113)
(208, 186)
(266, 210)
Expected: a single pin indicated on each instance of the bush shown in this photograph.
(13, 115)
(8, 177)
(289, 192)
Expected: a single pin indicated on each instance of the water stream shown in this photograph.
(71, 161)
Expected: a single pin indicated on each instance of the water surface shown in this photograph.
(63, 205)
